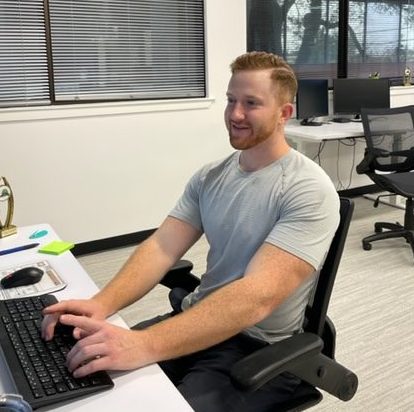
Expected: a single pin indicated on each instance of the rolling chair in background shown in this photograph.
(389, 162)
(309, 355)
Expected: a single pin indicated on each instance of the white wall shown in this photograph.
(95, 172)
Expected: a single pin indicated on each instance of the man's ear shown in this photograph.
(286, 111)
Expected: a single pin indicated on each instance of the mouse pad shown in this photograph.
(50, 282)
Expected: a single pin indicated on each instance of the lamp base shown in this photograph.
(7, 231)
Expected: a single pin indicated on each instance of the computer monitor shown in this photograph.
(311, 100)
(350, 95)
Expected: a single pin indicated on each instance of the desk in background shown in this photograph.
(145, 389)
(327, 131)
(327, 144)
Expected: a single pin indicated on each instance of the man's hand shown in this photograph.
(104, 347)
(89, 307)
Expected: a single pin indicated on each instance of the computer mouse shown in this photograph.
(22, 277)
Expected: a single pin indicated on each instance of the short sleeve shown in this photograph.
(187, 207)
(308, 221)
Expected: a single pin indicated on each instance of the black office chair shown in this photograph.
(308, 355)
(389, 162)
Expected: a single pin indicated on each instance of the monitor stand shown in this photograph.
(341, 120)
(309, 122)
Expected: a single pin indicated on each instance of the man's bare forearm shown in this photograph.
(147, 265)
(137, 277)
(228, 311)
(207, 323)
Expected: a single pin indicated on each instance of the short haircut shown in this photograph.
(283, 76)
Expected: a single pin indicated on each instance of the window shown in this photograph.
(381, 37)
(23, 56)
(304, 32)
(101, 50)
(335, 38)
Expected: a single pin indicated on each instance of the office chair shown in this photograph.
(389, 162)
(308, 355)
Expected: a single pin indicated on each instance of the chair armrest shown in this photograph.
(369, 156)
(381, 153)
(255, 370)
(300, 355)
(179, 276)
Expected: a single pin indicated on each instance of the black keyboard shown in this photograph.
(36, 366)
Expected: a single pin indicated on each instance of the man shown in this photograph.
(269, 215)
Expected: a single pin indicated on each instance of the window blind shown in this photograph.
(127, 49)
(23, 57)
(381, 37)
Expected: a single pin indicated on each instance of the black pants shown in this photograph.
(203, 378)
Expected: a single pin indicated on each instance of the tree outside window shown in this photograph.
(379, 35)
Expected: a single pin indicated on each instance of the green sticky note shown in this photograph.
(56, 247)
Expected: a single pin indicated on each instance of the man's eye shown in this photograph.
(251, 103)
(230, 100)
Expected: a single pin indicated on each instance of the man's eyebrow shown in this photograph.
(249, 96)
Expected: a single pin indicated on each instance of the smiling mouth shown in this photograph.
(239, 127)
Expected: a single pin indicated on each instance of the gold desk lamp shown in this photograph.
(6, 194)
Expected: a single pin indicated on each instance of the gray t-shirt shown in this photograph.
(291, 204)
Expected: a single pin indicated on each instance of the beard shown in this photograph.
(247, 138)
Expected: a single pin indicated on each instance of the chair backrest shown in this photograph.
(389, 134)
(317, 309)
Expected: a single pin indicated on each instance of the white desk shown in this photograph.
(326, 145)
(146, 389)
(328, 131)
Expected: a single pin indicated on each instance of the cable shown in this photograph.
(339, 185)
(353, 163)
(318, 154)
(352, 143)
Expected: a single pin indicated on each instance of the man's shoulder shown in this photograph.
(303, 178)
(303, 166)
(216, 166)
(294, 157)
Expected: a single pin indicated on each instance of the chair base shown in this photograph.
(393, 230)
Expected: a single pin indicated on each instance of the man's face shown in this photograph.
(253, 110)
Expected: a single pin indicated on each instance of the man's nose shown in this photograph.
(237, 112)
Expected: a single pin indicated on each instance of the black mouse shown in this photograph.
(22, 277)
